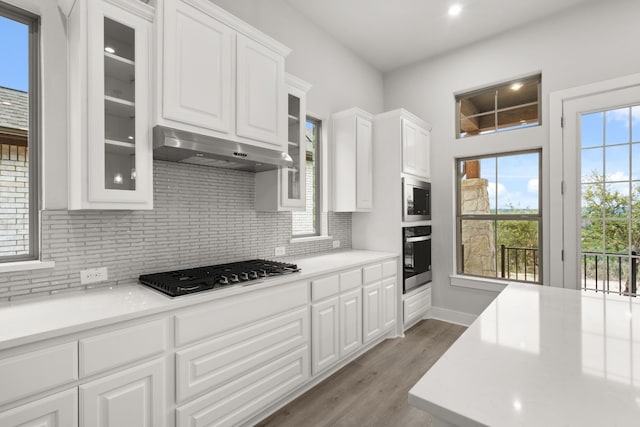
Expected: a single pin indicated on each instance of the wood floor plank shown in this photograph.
(373, 389)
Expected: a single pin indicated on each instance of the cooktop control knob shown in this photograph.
(263, 273)
(253, 274)
(224, 280)
(244, 276)
(234, 278)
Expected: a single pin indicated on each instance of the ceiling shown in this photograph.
(389, 34)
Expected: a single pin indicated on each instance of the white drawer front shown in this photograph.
(417, 305)
(350, 280)
(237, 401)
(223, 359)
(389, 268)
(38, 371)
(121, 347)
(371, 274)
(232, 312)
(325, 287)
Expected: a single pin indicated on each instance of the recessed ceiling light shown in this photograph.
(109, 49)
(516, 86)
(130, 137)
(455, 9)
(6, 103)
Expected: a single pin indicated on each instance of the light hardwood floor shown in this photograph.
(373, 389)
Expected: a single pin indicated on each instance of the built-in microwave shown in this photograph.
(416, 200)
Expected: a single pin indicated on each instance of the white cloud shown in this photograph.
(492, 190)
(618, 176)
(532, 185)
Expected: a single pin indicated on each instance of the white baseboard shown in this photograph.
(451, 316)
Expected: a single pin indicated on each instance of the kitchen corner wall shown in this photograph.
(201, 216)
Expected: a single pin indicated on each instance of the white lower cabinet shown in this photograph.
(372, 311)
(58, 410)
(416, 305)
(131, 397)
(350, 322)
(389, 303)
(325, 334)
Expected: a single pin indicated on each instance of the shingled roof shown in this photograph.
(14, 109)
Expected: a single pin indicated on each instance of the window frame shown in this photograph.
(34, 136)
(495, 88)
(459, 217)
(317, 205)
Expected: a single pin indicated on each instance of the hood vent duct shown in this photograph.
(187, 147)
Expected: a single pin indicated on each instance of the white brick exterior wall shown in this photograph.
(14, 200)
(201, 216)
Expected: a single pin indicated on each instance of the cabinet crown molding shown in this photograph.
(297, 83)
(352, 111)
(401, 113)
(137, 7)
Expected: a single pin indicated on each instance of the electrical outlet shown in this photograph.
(336, 244)
(280, 251)
(93, 275)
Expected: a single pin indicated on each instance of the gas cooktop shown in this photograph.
(182, 282)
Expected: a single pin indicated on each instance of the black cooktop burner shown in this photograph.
(182, 282)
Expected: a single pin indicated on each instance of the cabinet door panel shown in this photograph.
(261, 93)
(423, 153)
(59, 410)
(372, 309)
(389, 295)
(132, 397)
(364, 164)
(409, 147)
(324, 334)
(350, 322)
(197, 68)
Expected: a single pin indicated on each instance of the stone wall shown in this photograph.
(14, 200)
(478, 237)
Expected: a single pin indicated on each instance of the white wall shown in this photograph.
(588, 44)
(340, 79)
(53, 92)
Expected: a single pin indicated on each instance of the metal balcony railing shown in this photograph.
(610, 272)
(519, 263)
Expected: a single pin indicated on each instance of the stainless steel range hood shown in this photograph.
(186, 147)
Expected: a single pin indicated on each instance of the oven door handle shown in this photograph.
(417, 239)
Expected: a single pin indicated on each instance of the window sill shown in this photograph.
(480, 283)
(9, 267)
(310, 239)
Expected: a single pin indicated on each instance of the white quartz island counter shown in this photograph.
(31, 320)
(540, 356)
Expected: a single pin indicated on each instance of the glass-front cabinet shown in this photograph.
(110, 149)
(290, 182)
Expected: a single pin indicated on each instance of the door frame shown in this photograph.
(556, 162)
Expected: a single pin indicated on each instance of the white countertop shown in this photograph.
(541, 356)
(32, 320)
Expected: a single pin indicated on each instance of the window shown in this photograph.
(307, 222)
(499, 220)
(18, 135)
(510, 105)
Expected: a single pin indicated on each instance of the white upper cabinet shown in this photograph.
(110, 153)
(415, 148)
(198, 68)
(285, 189)
(218, 76)
(353, 161)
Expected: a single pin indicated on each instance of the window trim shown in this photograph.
(321, 231)
(459, 277)
(34, 135)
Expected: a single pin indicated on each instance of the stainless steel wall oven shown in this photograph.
(416, 255)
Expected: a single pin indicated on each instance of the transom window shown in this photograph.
(499, 220)
(511, 105)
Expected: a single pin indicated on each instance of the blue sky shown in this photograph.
(516, 183)
(14, 50)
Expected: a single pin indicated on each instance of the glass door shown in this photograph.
(293, 185)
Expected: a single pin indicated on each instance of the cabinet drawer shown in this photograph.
(325, 287)
(37, 371)
(372, 273)
(236, 402)
(417, 305)
(232, 312)
(216, 362)
(121, 347)
(389, 268)
(59, 410)
(350, 280)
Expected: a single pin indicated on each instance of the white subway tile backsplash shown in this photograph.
(201, 216)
